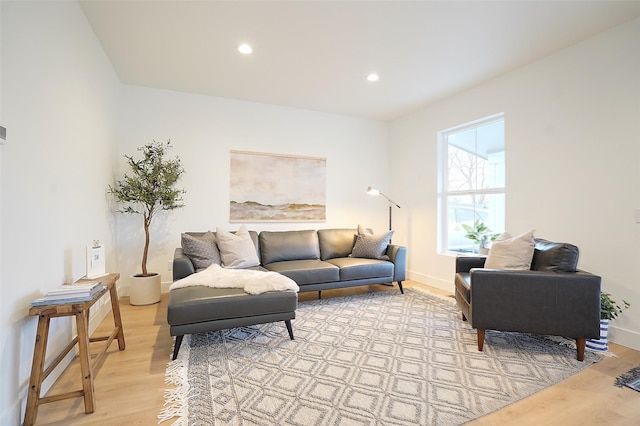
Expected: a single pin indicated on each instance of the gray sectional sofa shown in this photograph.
(315, 259)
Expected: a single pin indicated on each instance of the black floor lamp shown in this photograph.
(374, 191)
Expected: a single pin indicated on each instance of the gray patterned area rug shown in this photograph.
(377, 358)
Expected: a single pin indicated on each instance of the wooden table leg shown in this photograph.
(85, 362)
(117, 320)
(37, 368)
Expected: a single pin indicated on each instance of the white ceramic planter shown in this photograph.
(144, 290)
(602, 344)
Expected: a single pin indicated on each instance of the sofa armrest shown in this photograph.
(465, 263)
(182, 265)
(398, 256)
(560, 303)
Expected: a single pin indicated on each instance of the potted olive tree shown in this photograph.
(147, 189)
(609, 310)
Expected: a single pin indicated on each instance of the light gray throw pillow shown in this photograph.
(512, 253)
(237, 250)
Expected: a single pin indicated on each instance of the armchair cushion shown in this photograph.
(556, 257)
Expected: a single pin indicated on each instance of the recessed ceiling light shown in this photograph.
(373, 77)
(245, 49)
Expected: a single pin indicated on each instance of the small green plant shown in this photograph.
(609, 308)
(149, 188)
(479, 233)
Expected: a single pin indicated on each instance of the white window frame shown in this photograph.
(443, 178)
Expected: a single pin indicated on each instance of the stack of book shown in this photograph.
(70, 293)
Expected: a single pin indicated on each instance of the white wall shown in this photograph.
(70, 121)
(572, 130)
(204, 129)
(59, 98)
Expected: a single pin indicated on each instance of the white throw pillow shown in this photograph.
(237, 250)
(513, 253)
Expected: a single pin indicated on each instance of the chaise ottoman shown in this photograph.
(199, 309)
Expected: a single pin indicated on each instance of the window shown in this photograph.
(472, 181)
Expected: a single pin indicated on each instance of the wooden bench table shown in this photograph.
(81, 312)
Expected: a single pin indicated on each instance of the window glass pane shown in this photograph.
(489, 208)
(461, 169)
(472, 181)
(475, 158)
(490, 149)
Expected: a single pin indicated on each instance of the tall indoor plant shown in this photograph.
(148, 188)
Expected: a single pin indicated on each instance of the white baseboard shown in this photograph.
(624, 337)
(431, 281)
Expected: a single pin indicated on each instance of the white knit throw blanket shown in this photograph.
(253, 282)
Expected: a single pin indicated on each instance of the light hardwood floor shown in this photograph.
(129, 384)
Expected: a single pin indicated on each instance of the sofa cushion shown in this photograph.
(306, 271)
(201, 248)
(237, 250)
(372, 246)
(354, 268)
(336, 242)
(513, 253)
(556, 257)
(288, 245)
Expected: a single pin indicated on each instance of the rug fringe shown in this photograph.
(627, 377)
(175, 399)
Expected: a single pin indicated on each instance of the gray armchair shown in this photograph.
(552, 298)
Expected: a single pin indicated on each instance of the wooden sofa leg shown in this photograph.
(319, 294)
(480, 339)
(289, 328)
(400, 285)
(581, 342)
(176, 347)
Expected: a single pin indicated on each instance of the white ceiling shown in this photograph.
(316, 54)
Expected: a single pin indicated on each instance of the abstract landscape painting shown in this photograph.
(277, 188)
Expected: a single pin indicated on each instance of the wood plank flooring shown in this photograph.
(129, 384)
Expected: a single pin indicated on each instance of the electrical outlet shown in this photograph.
(170, 265)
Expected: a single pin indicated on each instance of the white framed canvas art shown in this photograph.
(277, 188)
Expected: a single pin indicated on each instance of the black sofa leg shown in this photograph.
(289, 328)
(176, 347)
(319, 294)
(400, 285)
